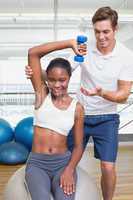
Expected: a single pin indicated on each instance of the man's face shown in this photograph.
(104, 33)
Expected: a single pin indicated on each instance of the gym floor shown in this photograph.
(124, 187)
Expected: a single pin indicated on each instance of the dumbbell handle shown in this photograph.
(80, 40)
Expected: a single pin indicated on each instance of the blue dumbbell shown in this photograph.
(80, 40)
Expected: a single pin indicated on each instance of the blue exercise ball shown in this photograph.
(13, 153)
(6, 131)
(24, 132)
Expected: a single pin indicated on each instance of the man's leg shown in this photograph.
(108, 179)
(105, 136)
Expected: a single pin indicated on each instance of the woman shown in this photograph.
(51, 167)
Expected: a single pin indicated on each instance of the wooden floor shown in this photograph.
(124, 188)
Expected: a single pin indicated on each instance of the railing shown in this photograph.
(23, 95)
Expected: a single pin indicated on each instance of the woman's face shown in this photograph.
(58, 79)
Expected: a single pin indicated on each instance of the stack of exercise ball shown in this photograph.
(15, 144)
(6, 132)
(24, 132)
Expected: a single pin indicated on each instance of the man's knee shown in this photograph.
(107, 167)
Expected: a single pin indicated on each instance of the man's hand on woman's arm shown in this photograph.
(29, 73)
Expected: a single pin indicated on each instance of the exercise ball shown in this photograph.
(6, 131)
(86, 188)
(13, 153)
(24, 132)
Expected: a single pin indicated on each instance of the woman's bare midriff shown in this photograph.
(48, 141)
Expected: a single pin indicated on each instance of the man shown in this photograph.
(106, 79)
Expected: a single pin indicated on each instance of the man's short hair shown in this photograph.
(106, 13)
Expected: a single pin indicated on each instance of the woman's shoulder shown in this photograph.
(79, 111)
(79, 106)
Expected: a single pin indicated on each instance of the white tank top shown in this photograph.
(51, 117)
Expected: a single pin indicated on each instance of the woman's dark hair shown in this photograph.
(61, 63)
(106, 13)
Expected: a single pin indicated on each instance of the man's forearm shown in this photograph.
(115, 96)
